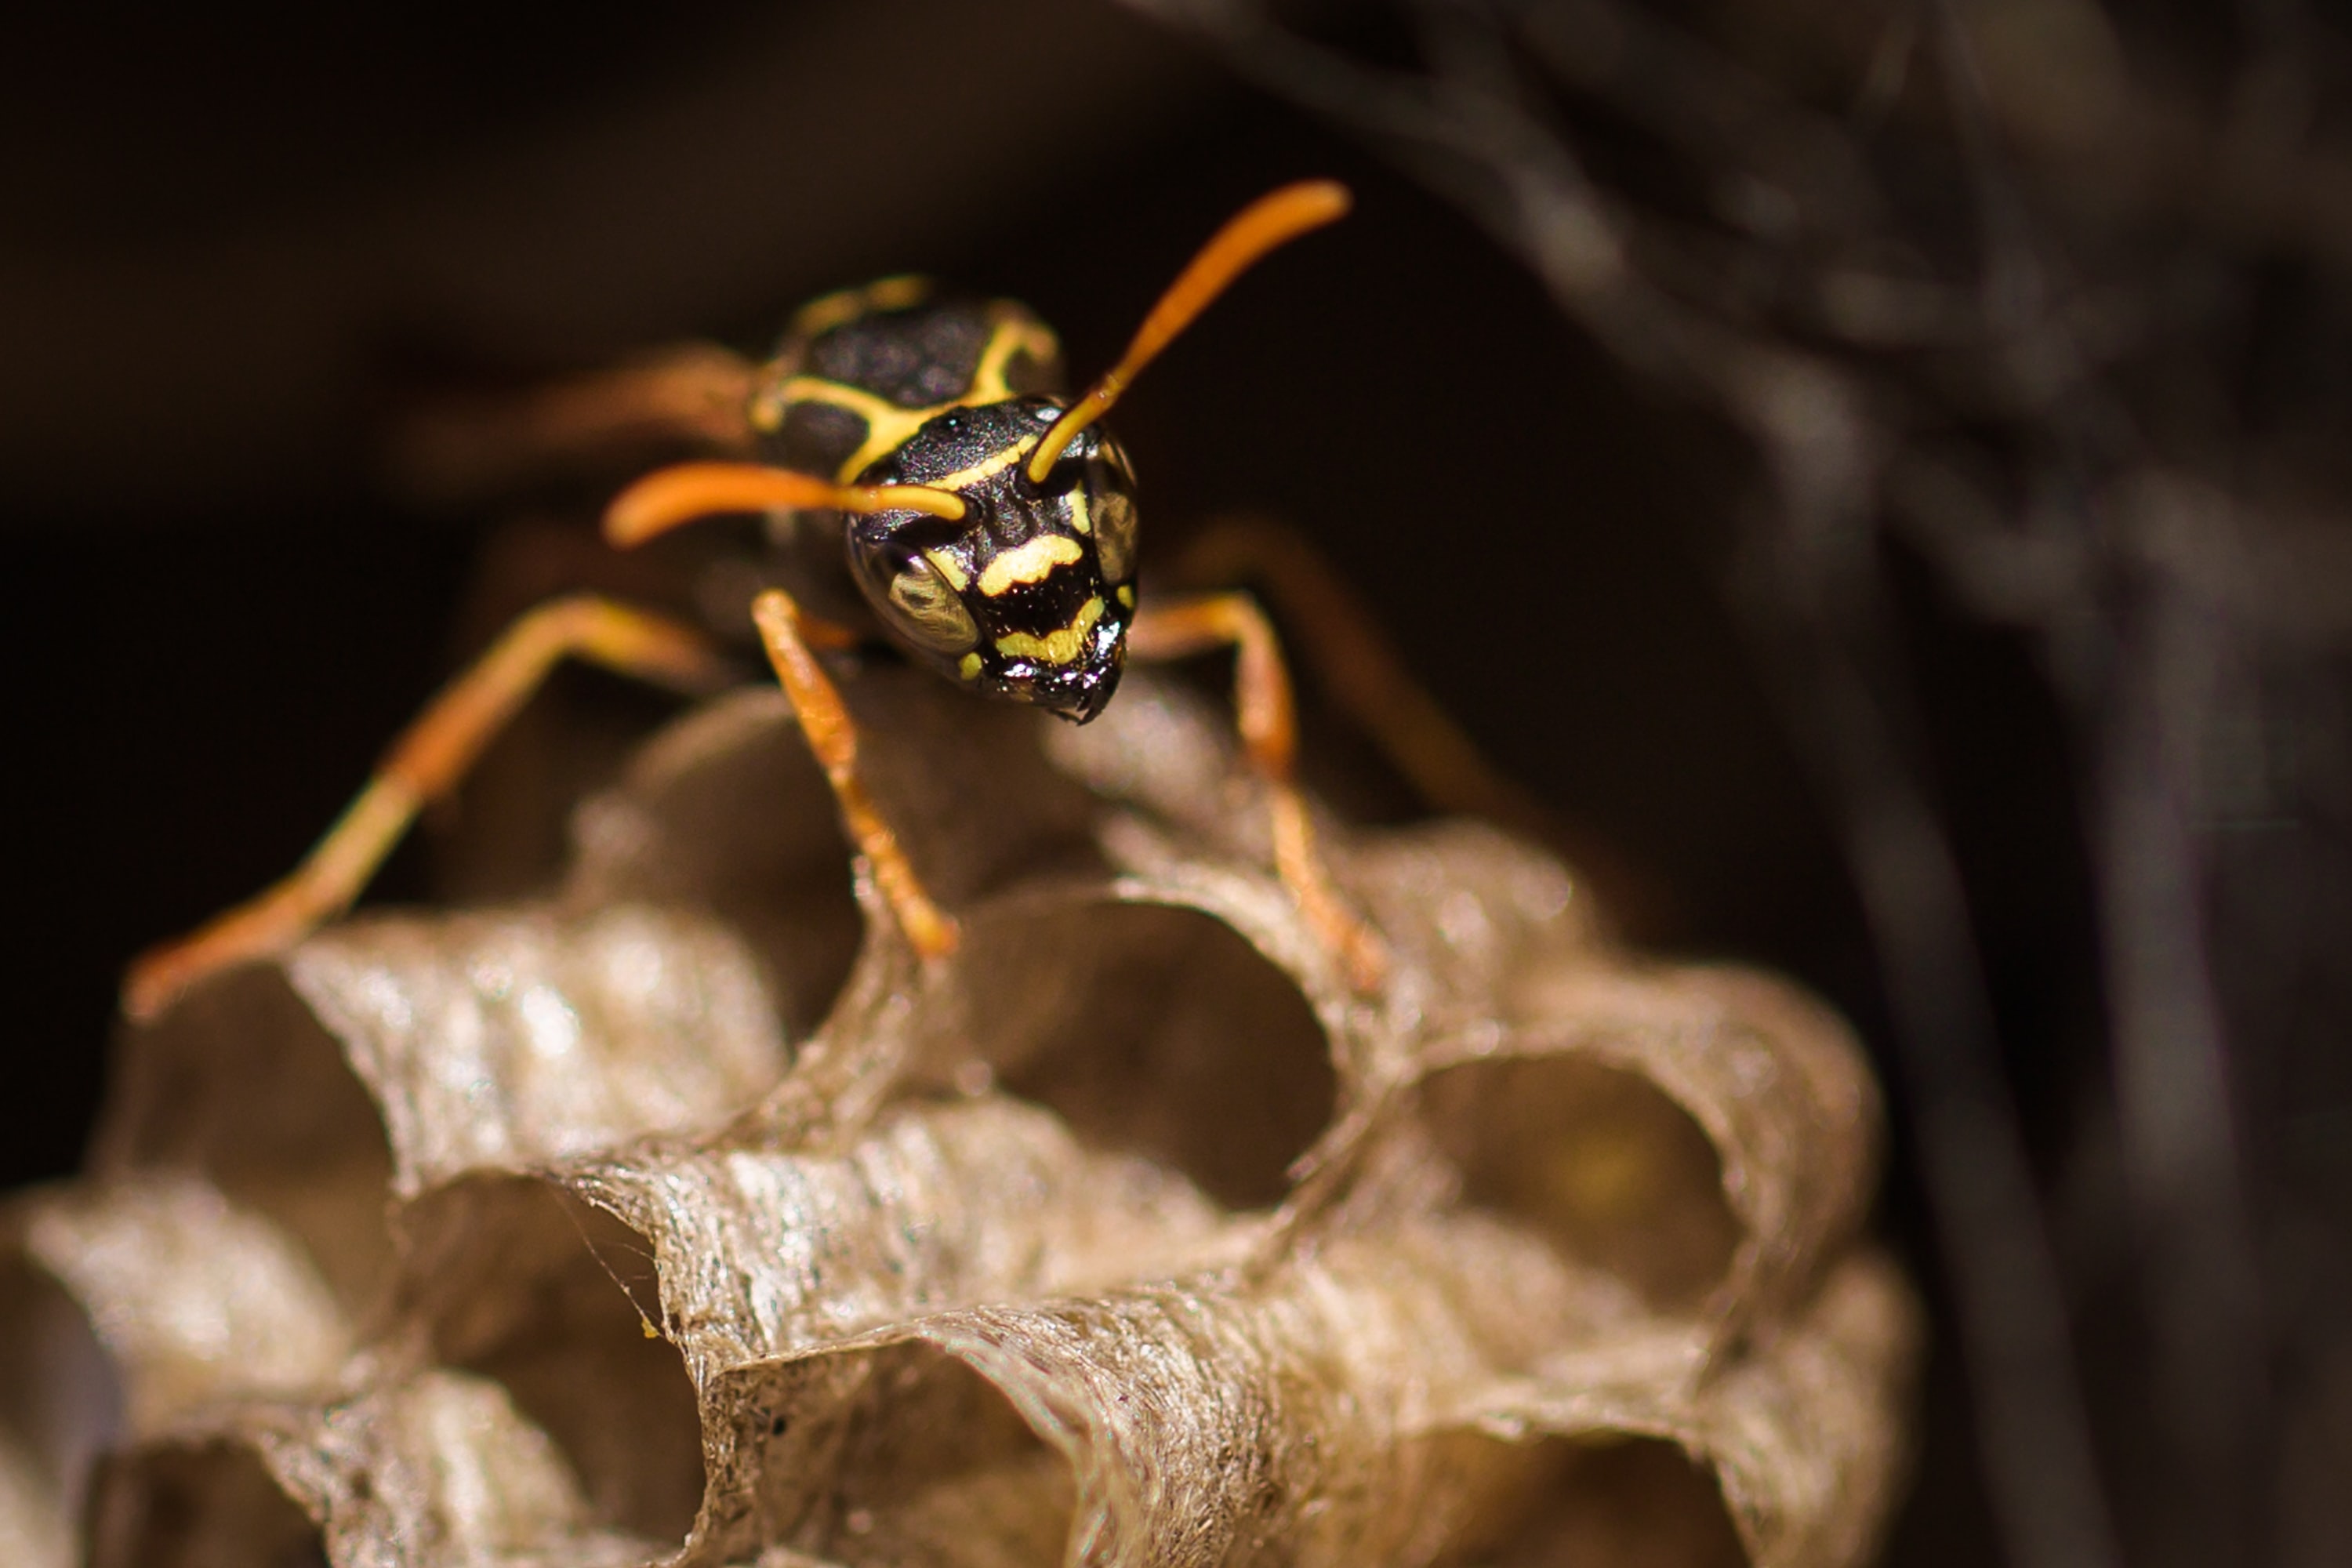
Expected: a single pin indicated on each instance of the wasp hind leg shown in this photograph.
(1353, 659)
(788, 635)
(1269, 726)
(690, 397)
(425, 762)
(1337, 637)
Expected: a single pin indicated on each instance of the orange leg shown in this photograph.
(691, 396)
(424, 764)
(1357, 666)
(832, 737)
(1341, 641)
(1269, 731)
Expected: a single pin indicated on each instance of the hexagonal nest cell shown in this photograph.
(686, 1216)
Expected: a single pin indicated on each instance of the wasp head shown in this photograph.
(1027, 597)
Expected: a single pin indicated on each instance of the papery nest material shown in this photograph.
(1132, 1233)
(435, 1468)
(128, 1304)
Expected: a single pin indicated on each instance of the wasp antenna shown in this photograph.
(668, 498)
(1266, 224)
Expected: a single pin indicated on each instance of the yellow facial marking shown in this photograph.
(1127, 595)
(1080, 519)
(1030, 562)
(969, 666)
(988, 467)
(1054, 647)
(949, 567)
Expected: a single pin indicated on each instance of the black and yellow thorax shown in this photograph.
(1028, 593)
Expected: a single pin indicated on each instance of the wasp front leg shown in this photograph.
(424, 764)
(1269, 733)
(833, 736)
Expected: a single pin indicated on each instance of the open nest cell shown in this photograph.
(684, 1216)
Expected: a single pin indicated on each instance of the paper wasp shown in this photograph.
(919, 448)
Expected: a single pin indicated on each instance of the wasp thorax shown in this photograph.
(1027, 597)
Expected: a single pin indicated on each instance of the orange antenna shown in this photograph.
(1271, 221)
(669, 497)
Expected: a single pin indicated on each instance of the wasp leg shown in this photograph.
(1358, 665)
(833, 736)
(1269, 731)
(690, 395)
(425, 762)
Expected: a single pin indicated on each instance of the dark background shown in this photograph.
(228, 599)
(231, 260)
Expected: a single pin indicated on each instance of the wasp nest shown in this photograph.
(686, 1218)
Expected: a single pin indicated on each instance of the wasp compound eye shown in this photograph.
(928, 609)
(915, 593)
(1109, 504)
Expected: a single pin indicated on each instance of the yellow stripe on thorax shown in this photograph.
(988, 384)
(889, 426)
(822, 314)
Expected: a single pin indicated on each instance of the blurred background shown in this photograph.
(1876, 473)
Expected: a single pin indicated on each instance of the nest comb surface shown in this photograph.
(684, 1216)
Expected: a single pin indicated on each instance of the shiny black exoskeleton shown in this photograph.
(1028, 596)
